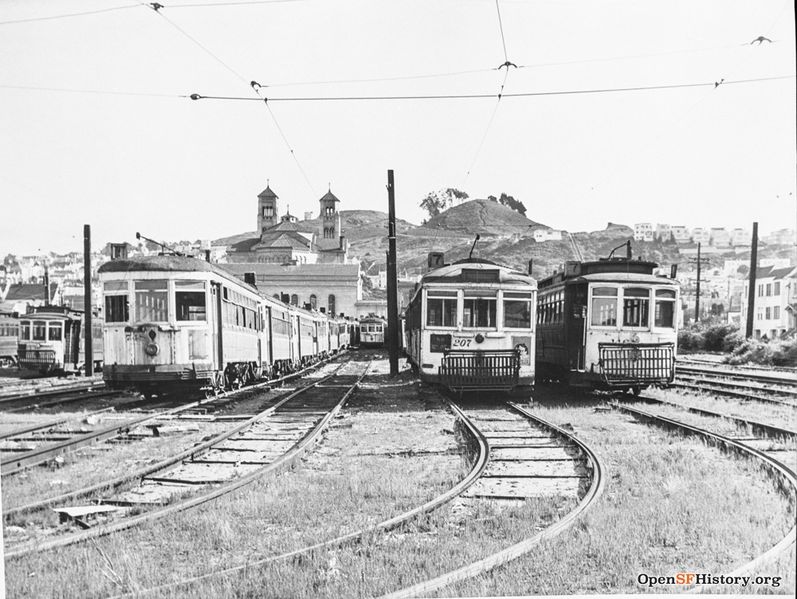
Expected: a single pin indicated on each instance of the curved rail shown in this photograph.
(785, 476)
(287, 460)
(479, 464)
(519, 549)
(767, 429)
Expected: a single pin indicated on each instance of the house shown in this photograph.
(720, 237)
(775, 301)
(701, 235)
(681, 234)
(643, 232)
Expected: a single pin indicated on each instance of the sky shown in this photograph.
(96, 125)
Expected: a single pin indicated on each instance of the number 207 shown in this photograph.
(462, 342)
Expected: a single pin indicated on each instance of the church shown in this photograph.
(302, 262)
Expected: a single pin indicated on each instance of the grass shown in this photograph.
(776, 415)
(672, 504)
(361, 475)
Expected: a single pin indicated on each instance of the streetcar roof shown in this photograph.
(458, 273)
(622, 277)
(171, 264)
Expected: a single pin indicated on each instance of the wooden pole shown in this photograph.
(87, 300)
(751, 282)
(392, 285)
(697, 291)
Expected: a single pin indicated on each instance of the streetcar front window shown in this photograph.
(517, 310)
(39, 330)
(117, 308)
(479, 312)
(190, 300)
(441, 311)
(636, 307)
(117, 305)
(664, 311)
(604, 306)
(54, 331)
(151, 301)
(24, 330)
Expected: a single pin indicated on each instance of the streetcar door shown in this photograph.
(576, 325)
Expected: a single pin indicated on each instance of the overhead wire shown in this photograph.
(93, 91)
(252, 84)
(482, 96)
(69, 15)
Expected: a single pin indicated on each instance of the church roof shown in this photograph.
(267, 193)
(330, 196)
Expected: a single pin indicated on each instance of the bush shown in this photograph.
(780, 352)
(690, 339)
(716, 337)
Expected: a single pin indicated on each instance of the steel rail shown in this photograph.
(479, 464)
(37, 427)
(767, 429)
(82, 388)
(189, 453)
(786, 477)
(749, 376)
(744, 395)
(287, 460)
(518, 549)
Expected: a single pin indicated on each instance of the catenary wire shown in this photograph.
(482, 96)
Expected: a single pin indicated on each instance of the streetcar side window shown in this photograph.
(54, 331)
(604, 306)
(152, 301)
(636, 306)
(39, 330)
(189, 300)
(24, 330)
(664, 311)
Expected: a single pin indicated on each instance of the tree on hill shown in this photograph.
(509, 202)
(439, 201)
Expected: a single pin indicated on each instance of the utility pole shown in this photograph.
(392, 284)
(697, 290)
(87, 299)
(751, 282)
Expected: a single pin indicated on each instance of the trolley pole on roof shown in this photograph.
(751, 282)
(87, 300)
(392, 285)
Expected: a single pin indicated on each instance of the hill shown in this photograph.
(484, 217)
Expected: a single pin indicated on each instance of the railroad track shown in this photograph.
(527, 457)
(515, 446)
(22, 450)
(747, 386)
(755, 448)
(264, 444)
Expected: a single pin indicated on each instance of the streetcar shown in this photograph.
(470, 326)
(52, 340)
(609, 324)
(372, 331)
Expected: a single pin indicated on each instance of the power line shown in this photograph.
(501, 28)
(72, 14)
(91, 91)
(482, 96)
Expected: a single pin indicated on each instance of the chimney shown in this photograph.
(531, 263)
(285, 298)
(435, 260)
(250, 278)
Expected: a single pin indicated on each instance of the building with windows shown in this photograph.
(681, 234)
(305, 263)
(643, 232)
(775, 301)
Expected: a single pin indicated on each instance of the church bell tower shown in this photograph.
(266, 210)
(330, 223)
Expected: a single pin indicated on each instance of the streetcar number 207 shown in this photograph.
(461, 342)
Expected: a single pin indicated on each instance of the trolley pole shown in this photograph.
(87, 300)
(392, 284)
(751, 282)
